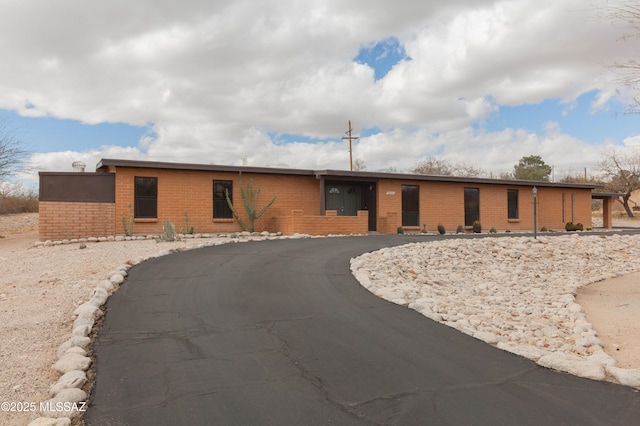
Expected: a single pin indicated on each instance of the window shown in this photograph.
(512, 203)
(471, 206)
(145, 197)
(410, 205)
(221, 208)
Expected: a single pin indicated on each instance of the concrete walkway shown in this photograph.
(280, 333)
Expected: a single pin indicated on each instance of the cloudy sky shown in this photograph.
(275, 82)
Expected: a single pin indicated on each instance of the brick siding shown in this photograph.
(66, 220)
(297, 206)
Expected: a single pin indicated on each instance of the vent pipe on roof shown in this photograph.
(78, 166)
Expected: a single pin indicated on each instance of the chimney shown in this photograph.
(78, 166)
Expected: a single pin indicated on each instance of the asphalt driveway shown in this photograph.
(280, 333)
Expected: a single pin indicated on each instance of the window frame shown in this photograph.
(513, 211)
(471, 211)
(145, 204)
(410, 205)
(222, 211)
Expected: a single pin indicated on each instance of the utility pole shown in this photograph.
(351, 139)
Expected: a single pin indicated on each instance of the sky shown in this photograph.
(275, 82)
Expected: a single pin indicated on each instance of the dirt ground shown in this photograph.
(41, 287)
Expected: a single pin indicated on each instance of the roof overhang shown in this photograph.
(105, 163)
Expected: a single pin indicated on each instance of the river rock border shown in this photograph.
(73, 356)
(74, 362)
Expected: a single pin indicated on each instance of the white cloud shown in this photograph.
(216, 78)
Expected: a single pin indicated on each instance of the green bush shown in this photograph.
(441, 229)
(400, 230)
(493, 231)
(477, 227)
(579, 227)
(460, 230)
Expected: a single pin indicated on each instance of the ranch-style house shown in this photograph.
(317, 202)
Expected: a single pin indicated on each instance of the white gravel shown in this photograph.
(515, 293)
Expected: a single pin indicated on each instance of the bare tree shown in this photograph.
(433, 166)
(11, 153)
(623, 172)
(626, 13)
(359, 165)
(443, 167)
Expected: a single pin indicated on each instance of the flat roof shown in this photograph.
(336, 174)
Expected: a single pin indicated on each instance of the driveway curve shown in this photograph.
(280, 333)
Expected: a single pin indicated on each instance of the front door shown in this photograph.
(348, 197)
(345, 199)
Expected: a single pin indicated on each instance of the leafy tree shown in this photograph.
(11, 153)
(532, 168)
(623, 172)
(443, 167)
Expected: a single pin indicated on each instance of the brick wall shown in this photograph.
(192, 191)
(443, 202)
(330, 223)
(65, 220)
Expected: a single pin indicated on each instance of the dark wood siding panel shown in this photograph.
(78, 187)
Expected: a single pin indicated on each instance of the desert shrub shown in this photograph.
(400, 230)
(169, 231)
(477, 227)
(570, 227)
(19, 204)
(460, 230)
(493, 231)
(579, 227)
(543, 229)
(441, 229)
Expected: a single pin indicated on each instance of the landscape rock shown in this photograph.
(573, 364)
(627, 377)
(79, 341)
(72, 361)
(99, 297)
(71, 379)
(117, 278)
(49, 421)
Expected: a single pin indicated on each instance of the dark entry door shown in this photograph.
(345, 199)
(348, 198)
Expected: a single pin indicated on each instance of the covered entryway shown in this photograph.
(348, 197)
(608, 198)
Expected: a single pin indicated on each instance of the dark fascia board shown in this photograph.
(456, 179)
(603, 195)
(106, 162)
(337, 174)
(68, 173)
